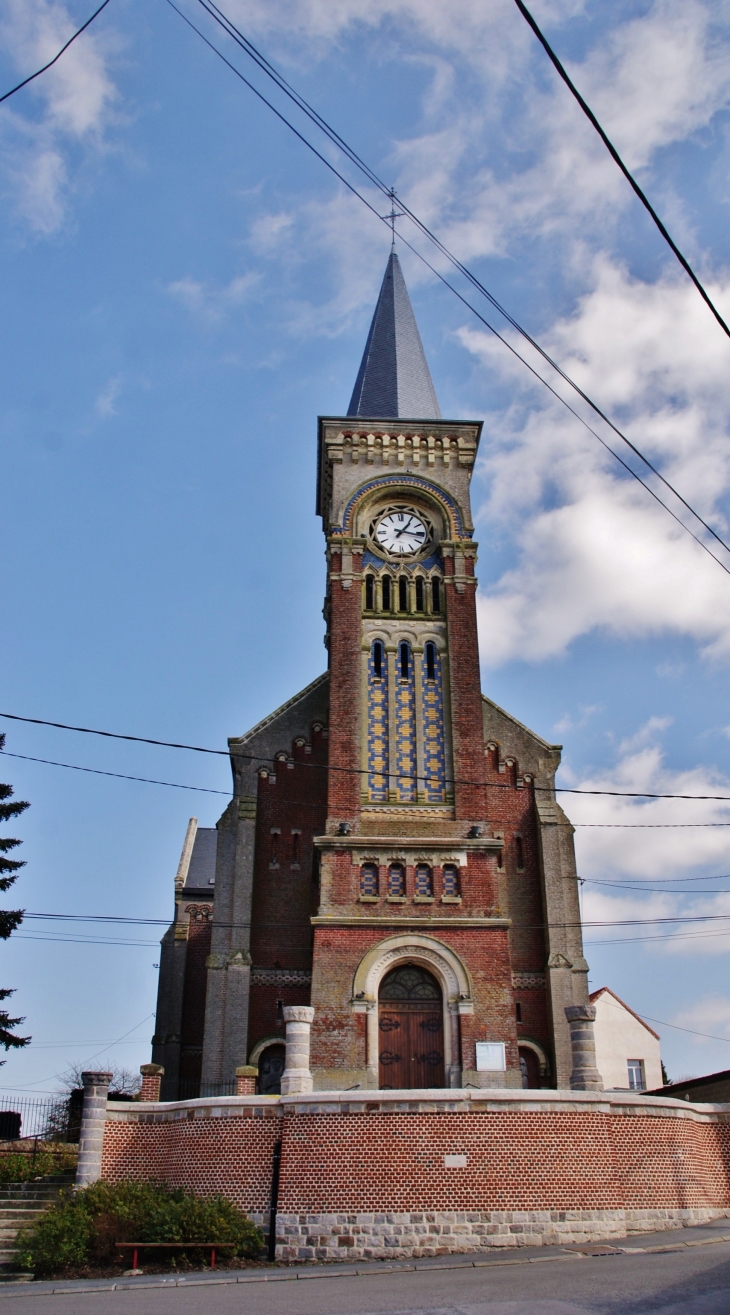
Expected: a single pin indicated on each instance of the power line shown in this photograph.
(662, 1023)
(655, 890)
(615, 155)
(300, 803)
(120, 776)
(247, 46)
(51, 62)
(350, 771)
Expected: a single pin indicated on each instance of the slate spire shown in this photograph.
(394, 379)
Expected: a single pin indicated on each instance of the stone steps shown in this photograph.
(21, 1204)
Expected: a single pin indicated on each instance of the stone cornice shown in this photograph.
(446, 844)
(406, 920)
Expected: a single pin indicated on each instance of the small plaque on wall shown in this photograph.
(490, 1057)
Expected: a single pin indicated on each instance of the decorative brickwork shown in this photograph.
(434, 751)
(377, 729)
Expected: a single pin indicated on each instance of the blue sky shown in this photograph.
(186, 288)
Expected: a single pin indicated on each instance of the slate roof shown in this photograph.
(201, 871)
(394, 379)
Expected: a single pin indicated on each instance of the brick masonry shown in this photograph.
(428, 1173)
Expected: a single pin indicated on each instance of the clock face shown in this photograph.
(401, 533)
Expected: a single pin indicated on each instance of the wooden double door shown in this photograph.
(410, 1030)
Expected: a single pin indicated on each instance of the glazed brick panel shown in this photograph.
(231, 1156)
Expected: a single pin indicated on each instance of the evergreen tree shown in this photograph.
(9, 918)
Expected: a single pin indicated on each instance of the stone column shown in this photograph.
(93, 1120)
(152, 1075)
(246, 1076)
(585, 1075)
(296, 1076)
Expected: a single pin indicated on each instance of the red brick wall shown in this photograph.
(344, 651)
(466, 699)
(373, 1161)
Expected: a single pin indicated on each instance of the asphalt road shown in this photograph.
(691, 1280)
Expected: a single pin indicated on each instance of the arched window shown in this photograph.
(424, 880)
(436, 594)
(450, 880)
(386, 593)
(397, 880)
(430, 661)
(402, 594)
(368, 879)
(419, 593)
(369, 593)
(377, 659)
(404, 656)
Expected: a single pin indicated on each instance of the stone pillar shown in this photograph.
(152, 1075)
(585, 1075)
(296, 1076)
(93, 1120)
(246, 1077)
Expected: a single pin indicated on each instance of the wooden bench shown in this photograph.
(136, 1247)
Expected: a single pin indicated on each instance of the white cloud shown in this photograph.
(105, 404)
(208, 302)
(595, 551)
(69, 105)
(709, 1015)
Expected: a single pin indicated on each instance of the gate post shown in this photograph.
(585, 1075)
(93, 1120)
(296, 1076)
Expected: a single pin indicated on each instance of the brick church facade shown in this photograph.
(393, 853)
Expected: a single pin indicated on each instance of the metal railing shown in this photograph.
(45, 1119)
(193, 1089)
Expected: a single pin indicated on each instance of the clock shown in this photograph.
(401, 532)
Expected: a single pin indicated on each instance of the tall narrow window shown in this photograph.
(419, 593)
(636, 1075)
(397, 880)
(403, 594)
(386, 593)
(368, 880)
(450, 880)
(274, 857)
(377, 659)
(518, 1011)
(519, 848)
(295, 846)
(369, 593)
(424, 882)
(436, 594)
(430, 661)
(404, 659)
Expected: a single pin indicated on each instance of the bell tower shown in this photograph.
(408, 864)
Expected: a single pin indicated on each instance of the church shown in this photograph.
(393, 854)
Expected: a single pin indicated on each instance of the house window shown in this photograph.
(430, 661)
(419, 593)
(377, 659)
(397, 880)
(450, 880)
(424, 881)
(636, 1075)
(436, 594)
(386, 593)
(404, 657)
(369, 592)
(368, 879)
(402, 594)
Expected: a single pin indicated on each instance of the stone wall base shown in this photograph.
(302, 1237)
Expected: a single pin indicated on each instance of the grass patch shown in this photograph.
(78, 1234)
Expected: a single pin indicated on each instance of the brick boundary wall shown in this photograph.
(404, 1174)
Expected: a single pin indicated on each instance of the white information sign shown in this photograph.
(491, 1057)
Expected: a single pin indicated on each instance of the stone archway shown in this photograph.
(449, 971)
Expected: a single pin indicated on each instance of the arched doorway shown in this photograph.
(529, 1067)
(410, 1030)
(271, 1066)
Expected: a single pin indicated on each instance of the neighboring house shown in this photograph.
(713, 1088)
(628, 1051)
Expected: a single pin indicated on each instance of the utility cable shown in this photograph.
(120, 776)
(356, 771)
(617, 158)
(51, 62)
(121, 919)
(247, 46)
